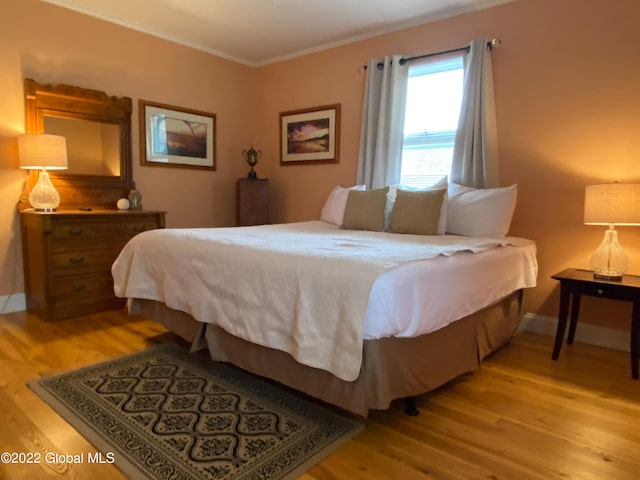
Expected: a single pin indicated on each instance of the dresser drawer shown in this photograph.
(127, 228)
(81, 286)
(76, 306)
(90, 258)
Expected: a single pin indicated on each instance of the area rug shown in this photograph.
(165, 413)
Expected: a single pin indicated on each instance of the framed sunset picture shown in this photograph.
(176, 137)
(311, 135)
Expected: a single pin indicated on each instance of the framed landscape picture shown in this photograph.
(176, 137)
(311, 135)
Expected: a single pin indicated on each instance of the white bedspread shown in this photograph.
(302, 288)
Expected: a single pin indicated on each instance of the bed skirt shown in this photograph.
(392, 368)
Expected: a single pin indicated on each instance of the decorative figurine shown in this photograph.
(252, 156)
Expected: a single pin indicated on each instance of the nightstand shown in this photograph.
(252, 201)
(574, 283)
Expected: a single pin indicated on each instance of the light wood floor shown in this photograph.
(520, 416)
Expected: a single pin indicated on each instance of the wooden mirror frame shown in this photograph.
(67, 101)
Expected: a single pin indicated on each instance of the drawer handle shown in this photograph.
(600, 291)
(76, 260)
(78, 287)
(75, 231)
(138, 228)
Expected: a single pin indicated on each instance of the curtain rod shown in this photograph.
(491, 44)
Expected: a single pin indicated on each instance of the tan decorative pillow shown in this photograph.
(365, 210)
(417, 212)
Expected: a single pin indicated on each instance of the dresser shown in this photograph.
(252, 201)
(68, 256)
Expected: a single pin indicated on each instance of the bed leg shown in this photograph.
(410, 407)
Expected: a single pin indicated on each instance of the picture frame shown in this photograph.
(310, 135)
(172, 136)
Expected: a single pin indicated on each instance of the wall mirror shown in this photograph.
(98, 132)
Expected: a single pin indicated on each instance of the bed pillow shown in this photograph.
(417, 211)
(365, 210)
(333, 209)
(440, 184)
(480, 212)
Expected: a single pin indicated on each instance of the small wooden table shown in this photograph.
(252, 201)
(574, 283)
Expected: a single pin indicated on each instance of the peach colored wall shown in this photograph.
(567, 86)
(55, 45)
(568, 102)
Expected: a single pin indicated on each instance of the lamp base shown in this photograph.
(609, 278)
(609, 262)
(43, 196)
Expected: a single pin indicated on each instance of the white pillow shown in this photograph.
(480, 212)
(333, 209)
(391, 198)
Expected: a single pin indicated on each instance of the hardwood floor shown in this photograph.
(520, 416)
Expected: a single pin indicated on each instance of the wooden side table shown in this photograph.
(252, 201)
(574, 283)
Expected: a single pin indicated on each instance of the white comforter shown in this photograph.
(302, 288)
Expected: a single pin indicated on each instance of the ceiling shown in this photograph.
(258, 32)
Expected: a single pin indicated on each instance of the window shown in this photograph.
(434, 96)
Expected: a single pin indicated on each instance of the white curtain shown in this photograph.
(475, 152)
(383, 122)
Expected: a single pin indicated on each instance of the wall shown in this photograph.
(568, 107)
(54, 45)
(567, 96)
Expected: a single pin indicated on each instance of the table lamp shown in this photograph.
(43, 152)
(611, 204)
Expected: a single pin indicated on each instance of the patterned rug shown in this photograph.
(165, 413)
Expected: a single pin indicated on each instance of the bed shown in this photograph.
(353, 318)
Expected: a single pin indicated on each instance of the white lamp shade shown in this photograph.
(42, 151)
(612, 204)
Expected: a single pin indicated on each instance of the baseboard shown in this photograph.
(13, 303)
(585, 332)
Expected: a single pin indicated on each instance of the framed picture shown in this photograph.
(176, 137)
(311, 135)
